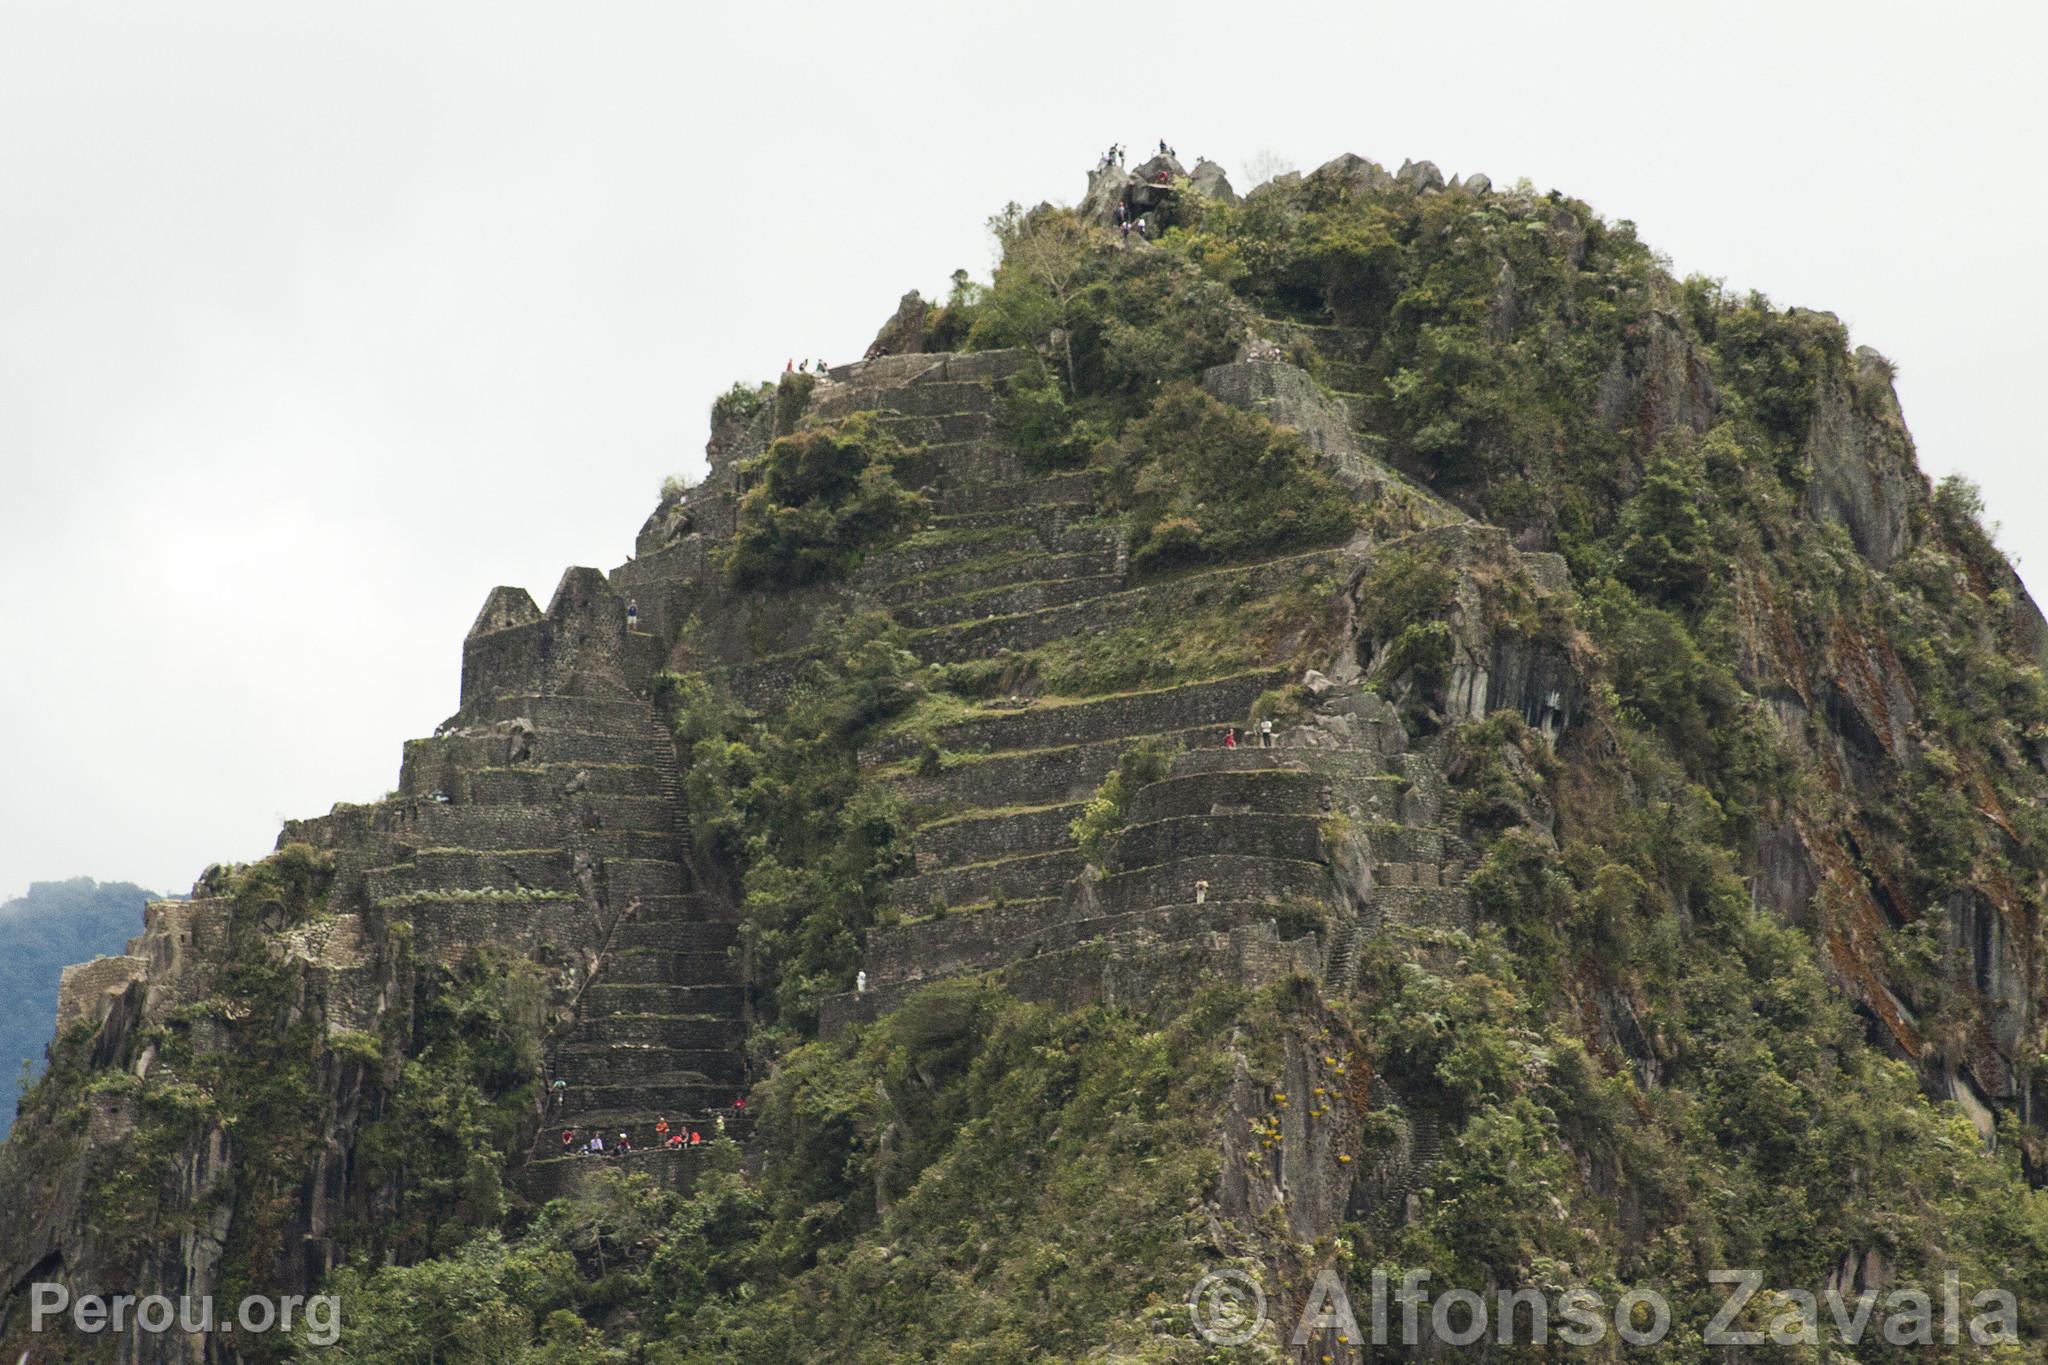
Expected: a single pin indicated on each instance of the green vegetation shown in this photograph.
(779, 800)
(1635, 1068)
(1208, 483)
(971, 1178)
(1146, 761)
(819, 498)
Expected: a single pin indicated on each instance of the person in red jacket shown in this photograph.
(568, 1138)
(696, 1138)
(1230, 738)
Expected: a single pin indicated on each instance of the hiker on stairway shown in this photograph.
(661, 1130)
(568, 1140)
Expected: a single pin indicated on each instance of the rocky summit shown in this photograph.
(1362, 727)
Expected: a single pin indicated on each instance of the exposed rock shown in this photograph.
(1658, 384)
(1861, 459)
(1353, 173)
(902, 334)
(1210, 182)
(1477, 183)
(1420, 176)
(1106, 185)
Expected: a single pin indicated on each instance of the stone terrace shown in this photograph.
(544, 817)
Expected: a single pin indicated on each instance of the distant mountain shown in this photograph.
(53, 926)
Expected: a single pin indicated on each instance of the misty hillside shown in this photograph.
(43, 932)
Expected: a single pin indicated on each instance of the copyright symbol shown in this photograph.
(1227, 1307)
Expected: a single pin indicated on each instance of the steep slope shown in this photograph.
(1628, 862)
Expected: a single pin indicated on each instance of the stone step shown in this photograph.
(644, 879)
(979, 639)
(609, 995)
(983, 837)
(1031, 565)
(436, 764)
(1078, 961)
(1353, 776)
(555, 712)
(542, 783)
(987, 938)
(954, 464)
(1229, 877)
(704, 934)
(936, 367)
(1267, 789)
(1293, 838)
(1029, 777)
(600, 1064)
(685, 907)
(1393, 844)
(941, 398)
(1421, 907)
(668, 1032)
(668, 967)
(1082, 490)
(657, 845)
(646, 814)
(445, 870)
(633, 1106)
(430, 824)
(1028, 877)
(1055, 724)
(920, 431)
(1049, 523)
(1004, 601)
(452, 926)
(927, 552)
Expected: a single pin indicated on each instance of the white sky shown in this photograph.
(316, 321)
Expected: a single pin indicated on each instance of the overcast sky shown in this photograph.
(317, 321)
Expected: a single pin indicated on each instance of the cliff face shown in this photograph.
(1562, 617)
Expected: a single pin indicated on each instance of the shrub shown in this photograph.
(1209, 483)
(1144, 762)
(820, 498)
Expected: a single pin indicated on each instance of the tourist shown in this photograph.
(596, 1147)
(559, 1088)
(568, 1140)
(661, 1129)
(1230, 737)
(718, 1123)
(632, 614)
(675, 1142)
(625, 1145)
(1266, 733)
(860, 983)
(696, 1138)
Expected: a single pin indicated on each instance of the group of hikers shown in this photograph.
(791, 366)
(666, 1138)
(1115, 155)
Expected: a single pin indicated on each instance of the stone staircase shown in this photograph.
(548, 824)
